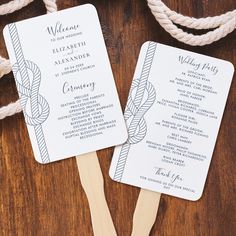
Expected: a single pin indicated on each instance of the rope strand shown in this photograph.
(209, 22)
(5, 66)
(10, 109)
(51, 5)
(12, 6)
(167, 18)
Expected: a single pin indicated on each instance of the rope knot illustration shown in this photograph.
(138, 128)
(141, 97)
(35, 107)
(30, 94)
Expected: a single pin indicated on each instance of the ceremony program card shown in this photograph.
(65, 83)
(173, 115)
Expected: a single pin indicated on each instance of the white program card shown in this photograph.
(65, 83)
(173, 115)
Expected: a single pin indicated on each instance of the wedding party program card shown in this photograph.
(65, 83)
(173, 115)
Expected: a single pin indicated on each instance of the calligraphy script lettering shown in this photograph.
(59, 28)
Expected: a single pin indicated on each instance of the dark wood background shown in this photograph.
(49, 200)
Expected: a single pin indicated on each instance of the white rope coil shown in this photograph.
(13, 6)
(50, 5)
(10, 109)
(221, 25)
(5, 66)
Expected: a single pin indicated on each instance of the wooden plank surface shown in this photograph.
(48, 199)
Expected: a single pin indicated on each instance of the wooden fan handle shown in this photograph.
(145, 212)
(93, 184)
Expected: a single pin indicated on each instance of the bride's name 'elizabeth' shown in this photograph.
(69, 48)
(59, 28)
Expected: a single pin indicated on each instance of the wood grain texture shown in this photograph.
(145, 213)
(49, 200)
(91, 178)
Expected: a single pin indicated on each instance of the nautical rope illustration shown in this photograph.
(136, 109)
(29, 91)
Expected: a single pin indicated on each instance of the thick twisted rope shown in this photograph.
(13, 6)
(5, 66)
(224, 24)
(136, 108)
(51, 5)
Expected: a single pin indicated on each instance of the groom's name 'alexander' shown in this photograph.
(68, 59)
